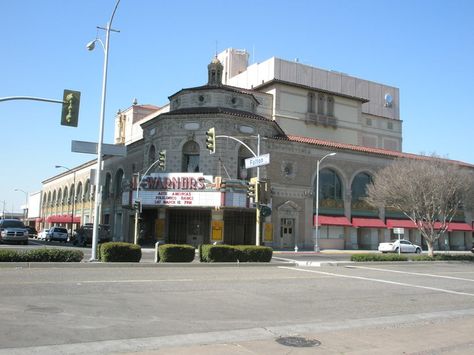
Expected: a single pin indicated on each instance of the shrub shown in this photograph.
(218, 253)
(120, 252)
(228, 253)
(176, 253)
(41, 255)
(378, 257)
(253, 253)
(404, 257)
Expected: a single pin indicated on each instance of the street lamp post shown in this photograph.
(73, 195)
(316, 230)
(25, 210)
(97, 194)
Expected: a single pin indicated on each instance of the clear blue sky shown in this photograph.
(425, 48)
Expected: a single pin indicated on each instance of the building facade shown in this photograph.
(295, 113)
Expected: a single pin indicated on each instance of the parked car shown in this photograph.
(83, 235)
(42, 235)
(57, 233)
(394, 245)
(32, 233)
(13, 230)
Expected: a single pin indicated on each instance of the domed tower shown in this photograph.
(215, 69)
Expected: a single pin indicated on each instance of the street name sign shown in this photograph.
(91, 148)
(257, 161)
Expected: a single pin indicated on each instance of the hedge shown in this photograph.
(233, 253)
(404, 257)
(120, 252)
(176, 253)
(41, 255)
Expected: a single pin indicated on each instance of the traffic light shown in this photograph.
(70, 110)
(265, 191)
(211, 140)
(252, 189)
(162, 159)
(137, 205)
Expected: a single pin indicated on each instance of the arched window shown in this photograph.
(72, 194)
(106, 191)
(60, 197)
(49, 199)
(359, 186)
(79, 197)
(190, 157)
(87, 191)
(330, 187)
(65, 196)
(54, 199)
(118, 183)
(151, 155)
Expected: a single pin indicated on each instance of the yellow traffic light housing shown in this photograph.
(252, 189)
(70, 109)
(211, 140)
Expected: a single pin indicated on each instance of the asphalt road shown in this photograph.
(101, 310)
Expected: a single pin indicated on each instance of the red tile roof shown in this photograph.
(362, 149)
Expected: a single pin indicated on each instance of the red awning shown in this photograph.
(459, 226)
(368, 223)
(65, 218)
(332, 221)
(400, 223)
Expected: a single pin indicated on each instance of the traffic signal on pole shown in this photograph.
(252, 189)
(162, 159)
(211, 140)
(265, 191)
(70, 110)
(137, 205)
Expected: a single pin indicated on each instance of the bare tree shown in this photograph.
(428, 190)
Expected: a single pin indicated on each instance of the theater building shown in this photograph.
(301, 115)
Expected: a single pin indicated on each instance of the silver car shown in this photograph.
(57, 233)
(404, 245)
(14, 231)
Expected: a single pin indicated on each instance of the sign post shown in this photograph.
(399, 231)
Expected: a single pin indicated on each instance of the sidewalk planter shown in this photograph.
(234, 253)
(120, 252)
(41, 255)
(176, 253)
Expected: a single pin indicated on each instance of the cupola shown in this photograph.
(215, 69)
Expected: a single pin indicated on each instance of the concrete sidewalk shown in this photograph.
(433, 336)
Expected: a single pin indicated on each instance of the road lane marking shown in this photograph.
(409, 273)
(129, 281)
(381, 281)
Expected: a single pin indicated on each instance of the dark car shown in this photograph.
(13, 230)
(32, 232)
(83, 235)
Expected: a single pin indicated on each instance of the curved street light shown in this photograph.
(97, 194)
(316, 231)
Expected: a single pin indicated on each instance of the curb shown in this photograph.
(86, 265)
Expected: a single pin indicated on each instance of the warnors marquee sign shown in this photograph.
(178, 190)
